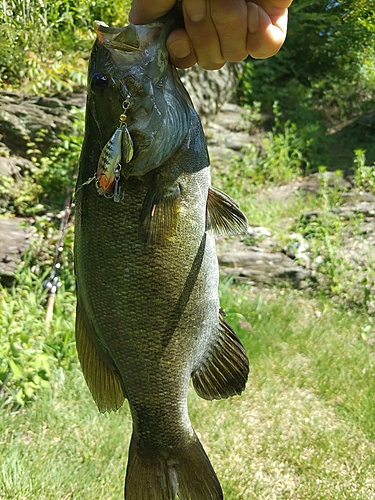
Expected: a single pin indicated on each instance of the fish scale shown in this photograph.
(148, 312)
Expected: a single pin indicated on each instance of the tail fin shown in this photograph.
(183, 473)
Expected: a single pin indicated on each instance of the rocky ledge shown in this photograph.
(254, 258)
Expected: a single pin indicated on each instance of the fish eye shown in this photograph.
(99, 83)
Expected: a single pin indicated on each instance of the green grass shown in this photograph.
(303, 429)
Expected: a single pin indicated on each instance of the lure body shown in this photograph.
(108, 165)
(118, 149)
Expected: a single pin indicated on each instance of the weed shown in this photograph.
(343, 275)
(28, 351)
(279, 160)
(43, 44)
(252, 115)
(364, 175)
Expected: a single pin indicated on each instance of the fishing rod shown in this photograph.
(53, 283)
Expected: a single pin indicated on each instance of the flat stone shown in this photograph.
(232, 117)
(256, 266)
(237, 140)
(313, 183)
(14, 241)
(9, 167)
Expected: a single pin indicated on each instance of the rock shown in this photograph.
(8, 167)
(230, 133)
(14, 241)
(314, 182)
(237, 140)
(258, 266)
(365, 208)
(209, 90)
(14, 166)
(232, 117)
(28, 118)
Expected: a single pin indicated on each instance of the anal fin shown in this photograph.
(225, 370)
(103, 382)
(223, 215)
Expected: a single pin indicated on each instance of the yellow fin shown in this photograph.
(104, 384)
(160, 212)
(223, 215)
(225, 369)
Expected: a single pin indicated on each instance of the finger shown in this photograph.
(144, 11)
(202, 33)
(266, 34)
(230, 20)
(180, 49)
(269, 6)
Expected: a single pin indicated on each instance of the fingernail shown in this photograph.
(252, 17)
(195, 10)
(179, 49)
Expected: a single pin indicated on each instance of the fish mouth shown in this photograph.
(128, 38)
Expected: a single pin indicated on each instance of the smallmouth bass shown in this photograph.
(148, 312)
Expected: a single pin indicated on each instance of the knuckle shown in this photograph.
(227, 19)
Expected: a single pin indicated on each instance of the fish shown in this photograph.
(148, 318)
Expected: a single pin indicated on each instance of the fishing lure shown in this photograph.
(119, 148)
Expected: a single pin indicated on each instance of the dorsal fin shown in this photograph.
(223, 215)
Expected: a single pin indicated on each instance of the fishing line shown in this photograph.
(53, 283)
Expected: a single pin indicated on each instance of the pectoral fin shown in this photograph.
(225, 370)
(159, 214)
(103, 382)
(223, 215)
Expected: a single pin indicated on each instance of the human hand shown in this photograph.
(217, 31)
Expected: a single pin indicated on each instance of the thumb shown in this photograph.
(144, 11)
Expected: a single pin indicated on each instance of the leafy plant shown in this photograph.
(43, 44)
(28, 351)
(253, 116)
(347, 277)
(280, 159)
(364, 175)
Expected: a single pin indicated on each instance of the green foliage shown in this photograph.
(322, 76)
(364, 175)
(344, 276)
(42, 44)
(253, 115)
(328, 55)
(28, 351)
(280, 159)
